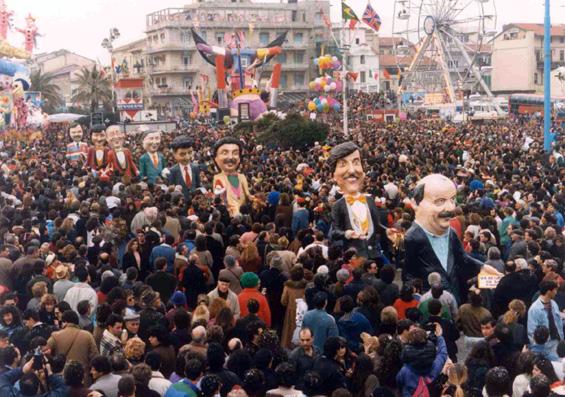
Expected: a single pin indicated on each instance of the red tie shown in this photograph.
(187, 180)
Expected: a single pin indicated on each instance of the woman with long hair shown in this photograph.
(47, 309)
(293, 290)
(405, 301)
(132, 256)
(216, 306)
(363, 380)
(10, 320)
(543, 366)
(478, 363)
(283, 213)
(226, 321)
(514, 318)
(456, 379)
(250, 260)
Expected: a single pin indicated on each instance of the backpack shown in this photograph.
(422, 388)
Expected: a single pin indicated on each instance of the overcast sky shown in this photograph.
(80, 25)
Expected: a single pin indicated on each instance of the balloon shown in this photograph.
(326, 108)
(333, 85)
(337, 107)
(323, 83)
(317, 80)
(334, 58)
(316, 61)
(227, 119)
(338, 86)
(319, 108)
(318, 87)
(311, 106)
(324, 101)
(327, 88)
(312, 85)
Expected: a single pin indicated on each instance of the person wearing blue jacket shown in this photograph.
(352, 324)
(421, 358)
(28, 383)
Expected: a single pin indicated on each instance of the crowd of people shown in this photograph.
(130, 287)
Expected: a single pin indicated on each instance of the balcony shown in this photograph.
(179, 68)
(167, 91)
(170, 45)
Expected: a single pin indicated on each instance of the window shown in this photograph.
(562, 40)
(244, 62)
(535, 78)
(162, 37)
(363, 77)
(185, 36)
(204, 35)
(299, 57)
(298, 37)
(317, 18)
(298, 79)
(220, 38)
(357, 40)
(362, 60)
(562, 55)
(283, 80)
(188, 83)
(281, 58)
(186, 59)
(264, 38)
(294, 13)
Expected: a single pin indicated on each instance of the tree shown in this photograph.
(294, 131)
(43, 82)
(94, 87)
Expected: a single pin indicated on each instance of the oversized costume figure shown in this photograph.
(76, 150)
(230, 184)
(30, 33)
(119, 158)
(20, 84)
(97, 156)
(355, 215)
(151, 163)
(5, 16)
(184, 173)
(431, 245)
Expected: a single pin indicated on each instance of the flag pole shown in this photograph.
(344, 79)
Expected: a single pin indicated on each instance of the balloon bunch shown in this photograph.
(325, 84)
(326, 62)
(324, 104)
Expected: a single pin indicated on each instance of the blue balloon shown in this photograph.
(316, 61)
(337, 107)
(320, 107)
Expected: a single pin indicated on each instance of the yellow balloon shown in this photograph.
(261, 53)
(323, 83)
(227, 119)
(311, 106)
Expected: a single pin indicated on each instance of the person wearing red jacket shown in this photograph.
(250, 283)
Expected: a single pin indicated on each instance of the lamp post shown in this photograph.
(547, 80)
(113, 35)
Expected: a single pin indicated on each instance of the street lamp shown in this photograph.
(107, 43)
(547, 80)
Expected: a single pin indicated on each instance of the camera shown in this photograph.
(38, 359)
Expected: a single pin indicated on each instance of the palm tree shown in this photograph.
(50, 92)
(94, 87)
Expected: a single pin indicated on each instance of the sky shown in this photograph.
(80, 25)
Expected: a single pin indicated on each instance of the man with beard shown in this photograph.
(184, 173)
(97, 156)
(431, 245)
(76, 150)
(119, 158)
(151, 163)
(355, 215)
(229, 184)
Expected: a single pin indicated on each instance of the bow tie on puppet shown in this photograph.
(351, 200)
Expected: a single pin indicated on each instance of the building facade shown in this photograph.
(172, 66)
(518, 57)
(65, 67)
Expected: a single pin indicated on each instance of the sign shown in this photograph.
(129, 96)
(488, 281)
(130, 106)
(243, 111)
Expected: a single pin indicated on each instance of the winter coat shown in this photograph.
(350, 327)
(420, 360)
(292, 291)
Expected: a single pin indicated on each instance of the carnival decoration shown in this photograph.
(327, 62)
(30, 34)
(238, 71)
(326, 85)
(129, 96)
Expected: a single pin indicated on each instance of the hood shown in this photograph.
(419, 357)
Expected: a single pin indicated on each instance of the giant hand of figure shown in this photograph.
(491, 270)
(353, 235)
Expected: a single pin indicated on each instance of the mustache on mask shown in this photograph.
(353, 174)
(446, 214)
(230, 162)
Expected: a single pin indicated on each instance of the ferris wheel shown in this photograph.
(441, 48)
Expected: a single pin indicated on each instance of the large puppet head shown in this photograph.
(182, 150)
(115, 137)
(75, 132)
(151, 141)
(433, 200)
(227, 152)
(98, 136)
(346, 164)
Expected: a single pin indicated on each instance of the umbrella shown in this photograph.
(63, 117)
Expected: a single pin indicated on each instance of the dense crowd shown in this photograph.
(126, 288)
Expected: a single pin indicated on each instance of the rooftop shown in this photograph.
(537, 28)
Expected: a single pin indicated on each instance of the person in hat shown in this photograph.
(152, 162)
(231, 185)
(250, 283)
(62, 283)
(183, 173)
(131, 325)
(151, 315)
(223, 291)
(431, 245)
(519, 247)
(355, 216)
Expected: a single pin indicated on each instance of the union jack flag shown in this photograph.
(371, 18)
